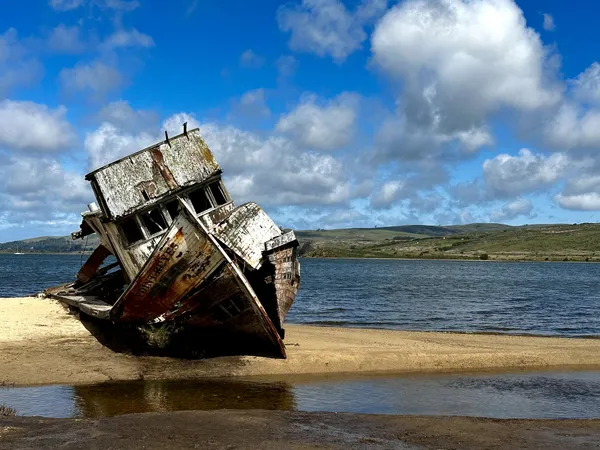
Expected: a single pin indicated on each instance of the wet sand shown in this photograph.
(295, 430)
(40, 343)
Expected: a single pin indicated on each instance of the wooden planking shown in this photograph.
(280, 241)
(182, 260)
(245, 232)
(154, 172)
(89, 305)
(215, 216)
(286, 278)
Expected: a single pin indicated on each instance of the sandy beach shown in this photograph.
(40, 343)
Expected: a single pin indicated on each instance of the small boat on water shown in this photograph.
(185, 253)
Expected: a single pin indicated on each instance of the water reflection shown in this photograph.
(510, 395)
(113, 399)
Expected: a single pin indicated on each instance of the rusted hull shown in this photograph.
(190, 279)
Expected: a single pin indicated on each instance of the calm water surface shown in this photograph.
(517, 395)
(469, 296)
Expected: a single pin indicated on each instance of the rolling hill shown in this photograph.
(579, 242)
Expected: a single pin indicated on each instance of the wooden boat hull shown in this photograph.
(191, 280)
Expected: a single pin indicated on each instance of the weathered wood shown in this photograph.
(181, 261)
(245, 232)
(280, 241)
(141, 179)
(90, 305)
(93, 263)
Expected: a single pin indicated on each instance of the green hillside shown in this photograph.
(475, 241)
(577, 242)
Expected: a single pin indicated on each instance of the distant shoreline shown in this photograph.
(491, 258)
(572, 259)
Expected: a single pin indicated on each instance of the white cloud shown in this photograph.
(130, 38)
(95, 77)
(388, 194)
(275, 171)
(343, 218)
(582, 202)
(581, 192)
(174, 124)
(586, 86)
(251, 59)
(65, 5)
(549, 22)
(40, 189)
(462, 60)
(252, 103)
(65, 39)
(33, 127)
(322, 127)
(326, 27)
(121, 114)
(475, 138)
(109, 143)
(512, 210)
(507, 175)
(573, 127)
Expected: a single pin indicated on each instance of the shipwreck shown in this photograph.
(185, 253)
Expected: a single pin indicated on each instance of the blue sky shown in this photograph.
(327, 113)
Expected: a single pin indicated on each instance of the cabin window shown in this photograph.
(199, 200)
(131, 230)
(218, 194)
(173, 208)
(154, 221)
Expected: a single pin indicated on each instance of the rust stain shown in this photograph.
(166, 173)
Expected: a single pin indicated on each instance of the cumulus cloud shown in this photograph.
(586, 86)
(127, 38)
(41, 190)
(109, 143)
(253, 103)
(96, 77)
(581, 193)
(344, 218)
(388, 194)
(473, 58)
(573, 127)
(251, 60)
(274, 170)
(512, 210)
(327, 126)
(589, 201)
(122, 115)
(326, 27)
(507, 175)
(34, 127)
(66, 39)
(549, 22)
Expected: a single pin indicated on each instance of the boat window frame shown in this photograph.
(219, 185)
(161, 210)
(127, 243)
